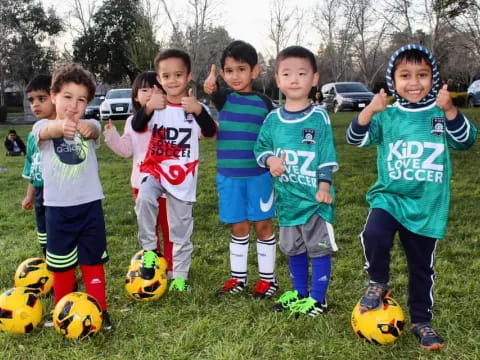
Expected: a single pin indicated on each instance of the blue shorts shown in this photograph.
(245, 199)
(76, 235)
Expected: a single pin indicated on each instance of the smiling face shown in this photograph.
(173, 75)
(41, 104)
(70, 101)
(239, 75)
(413, 81)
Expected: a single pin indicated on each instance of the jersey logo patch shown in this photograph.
(266, 206)
(438, 126)
(308, 136)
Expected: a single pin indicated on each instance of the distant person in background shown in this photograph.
(14, 145)
(318, 98)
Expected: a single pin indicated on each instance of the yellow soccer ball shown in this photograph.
(379, 326)
(33, 274)
(77, 316)
(20, 310)
(146, 290)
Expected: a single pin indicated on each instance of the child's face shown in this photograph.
(41, 104)
(174, 77)
(295, 78)
(413, 81)
(71, 101)
(239, 75)
(143, 95)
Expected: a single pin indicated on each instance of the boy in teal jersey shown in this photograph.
(240, 180)
(38, 95)
(412, 193)
(296, 144)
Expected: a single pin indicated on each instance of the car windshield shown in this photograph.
(351, 87)
(96, 101)
(118, 94)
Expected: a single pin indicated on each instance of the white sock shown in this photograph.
(266, 251)
(239, 257)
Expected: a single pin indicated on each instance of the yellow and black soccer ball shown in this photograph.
(379, 326)
(146, 290)
(33, 274)
(77, 316)
(20, 310)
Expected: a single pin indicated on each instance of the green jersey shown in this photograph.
(32, 168)
(414, 167)
(307, 139)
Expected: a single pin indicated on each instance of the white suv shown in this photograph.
(117, 104)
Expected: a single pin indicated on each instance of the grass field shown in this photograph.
(199, 325)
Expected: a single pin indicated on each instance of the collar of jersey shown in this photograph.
(403, 108)
(297, 116)
(173, 104)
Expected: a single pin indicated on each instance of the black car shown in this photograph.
(92, 110)
(341, 96)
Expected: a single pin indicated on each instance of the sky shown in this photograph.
(246, 20)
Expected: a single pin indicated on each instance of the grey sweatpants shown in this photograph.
(180, 224)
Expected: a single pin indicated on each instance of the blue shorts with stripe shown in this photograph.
(243, 199)
(76, 235)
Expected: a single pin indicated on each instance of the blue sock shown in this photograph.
(299, 273)
(321, 268)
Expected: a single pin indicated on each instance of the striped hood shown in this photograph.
(432, 95)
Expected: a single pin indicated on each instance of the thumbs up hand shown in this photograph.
(108, 126)
(210, 84)
(190, 104)
(277, 165)
(444, 102)
(157, 101)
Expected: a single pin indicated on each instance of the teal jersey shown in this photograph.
(32, 169)
(414, 167)
(307, 139)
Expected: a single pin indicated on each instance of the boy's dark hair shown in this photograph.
(40, 82)
(145, 79)
(240, 51)
(73, 73)
(410, 56)
(297, 52)
(174, 53)
(12, 131)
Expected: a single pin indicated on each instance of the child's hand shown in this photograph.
(323, 196)
(379, 102)
(210, 84)
(277, 165)
(190, 104)
(69, 128)
(157, 101)
(27, 203)
(86, 130)
(109, 126)
(444, 102)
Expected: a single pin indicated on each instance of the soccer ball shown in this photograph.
(146, 290)
(33, 274)
(20, 310)
(77, 316)
(379, 326)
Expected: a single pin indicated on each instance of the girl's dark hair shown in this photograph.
(296, 52)
(145, 79)
(411, 56)
(240, 51)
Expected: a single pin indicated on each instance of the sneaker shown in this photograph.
(308, 306)
(107, 323)
(232, 286)
(428, 338)
(179, 284)
(286, 300)
(373, 296)
(149, 264)
(264, 289)
(48, 320)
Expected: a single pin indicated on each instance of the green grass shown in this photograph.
(201, 326)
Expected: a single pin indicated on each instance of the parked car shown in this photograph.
(117, 104)
(473, 94)
(339, 96)
(92, 110)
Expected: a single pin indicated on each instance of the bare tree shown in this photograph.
(81, 13)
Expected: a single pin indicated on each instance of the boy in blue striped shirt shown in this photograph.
(240, 181)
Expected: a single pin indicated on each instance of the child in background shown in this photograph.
(296, 144)
(171, 163)
(135, 144)
(412, 193)
(72, 188)
(38, 94)
(239, 178)
(14, 144)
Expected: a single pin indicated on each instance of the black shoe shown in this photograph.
(107, 323)
(428, 338)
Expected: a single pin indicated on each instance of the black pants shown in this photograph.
(377, 241)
